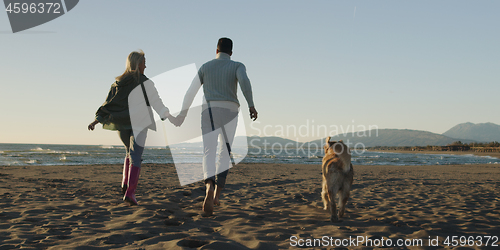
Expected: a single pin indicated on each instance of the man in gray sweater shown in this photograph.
(219, 78)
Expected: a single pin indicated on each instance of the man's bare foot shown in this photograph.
(217, 195)
(208, 203)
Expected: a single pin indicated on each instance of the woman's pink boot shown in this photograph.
(133, 179)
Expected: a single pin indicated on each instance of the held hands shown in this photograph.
(177, 121)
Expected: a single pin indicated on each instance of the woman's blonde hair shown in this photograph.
(132, 65)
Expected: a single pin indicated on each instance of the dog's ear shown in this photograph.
(327, 144)
(342, 141)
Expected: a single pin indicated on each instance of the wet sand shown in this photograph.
(265, 206)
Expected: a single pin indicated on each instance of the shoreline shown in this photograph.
(490, 154)
(262, 207)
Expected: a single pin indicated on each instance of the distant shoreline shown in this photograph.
(400, 151)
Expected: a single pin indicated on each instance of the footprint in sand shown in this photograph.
(192, 243)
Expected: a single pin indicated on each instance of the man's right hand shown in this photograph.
(253, 113)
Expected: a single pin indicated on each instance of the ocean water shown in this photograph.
(40, 155)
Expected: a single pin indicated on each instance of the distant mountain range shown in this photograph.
(396, 138)
(371, 138)
(465, 132)
(481, 132)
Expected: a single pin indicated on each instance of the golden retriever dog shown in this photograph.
(338, 175)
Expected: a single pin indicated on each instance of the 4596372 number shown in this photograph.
(471, 241)
(33, 8)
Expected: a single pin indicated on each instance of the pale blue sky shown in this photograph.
(424, 65)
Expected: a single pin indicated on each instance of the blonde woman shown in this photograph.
(115, 114)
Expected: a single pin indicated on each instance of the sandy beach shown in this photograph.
(265, 206)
